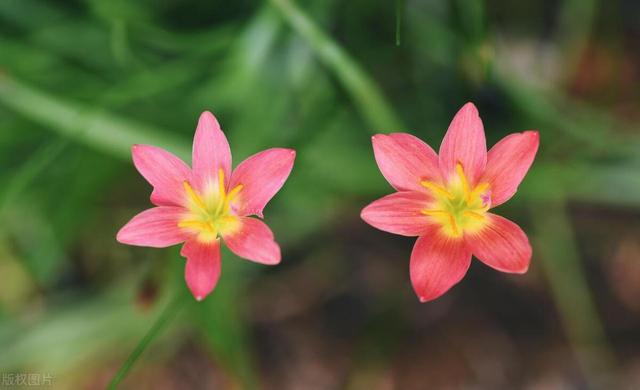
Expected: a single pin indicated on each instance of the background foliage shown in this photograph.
(81, 81)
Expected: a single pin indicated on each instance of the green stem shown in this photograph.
(560, 262)
(165, 317)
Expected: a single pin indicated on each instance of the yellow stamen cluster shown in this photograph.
(457, 207)
(209, 214)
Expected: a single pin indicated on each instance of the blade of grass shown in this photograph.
(163, 319)
(566, 277)
(550, 109)
(366, 95)
(29, 171)
(100, 129)
(576, 20)
(74, 328)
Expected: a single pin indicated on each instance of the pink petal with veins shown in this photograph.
(437, 264)
(156, 228)
(254, 241)
(508, 162)
(202, 268)
(399, 213)
(464, 143)
(405, 161)
(501, 245)
(164, 171)
(211, 152)
(261, 176)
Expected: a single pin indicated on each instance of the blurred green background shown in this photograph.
(81, 81)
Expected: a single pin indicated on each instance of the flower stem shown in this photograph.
(164, 318)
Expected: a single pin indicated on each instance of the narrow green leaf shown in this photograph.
(95, 128)
(368, 98)
(556, 249)
(29, 171)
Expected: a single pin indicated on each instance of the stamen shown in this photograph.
(454, 227)
(231, 195)
(480, 188)
(221, 192)
(458, 207)
(221, 188)
(211, 213)
(229, 219)
(474, 215)
(436, 213)
(234, 191)
(193, 196)
(195, 224)
(436, 188)
(463, 178)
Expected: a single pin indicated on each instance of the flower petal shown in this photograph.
(156, 228)
(254, 241)
(399, 213)
(507, 163)
(164, 171)
(210, 152)
(261, 176)
(437, 264)
(405, 160)
(501, 245)
(464, 143)
(202, 269)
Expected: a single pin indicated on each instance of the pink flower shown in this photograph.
(445, 200)
(202, 205)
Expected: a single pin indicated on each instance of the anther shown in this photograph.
(454, 226)
(463, 179)
(435, 213)
(438, 189)
(474, 215)
(480, 188)
(193, 196)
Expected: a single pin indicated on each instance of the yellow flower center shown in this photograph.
(457, 208)
(209, 214)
